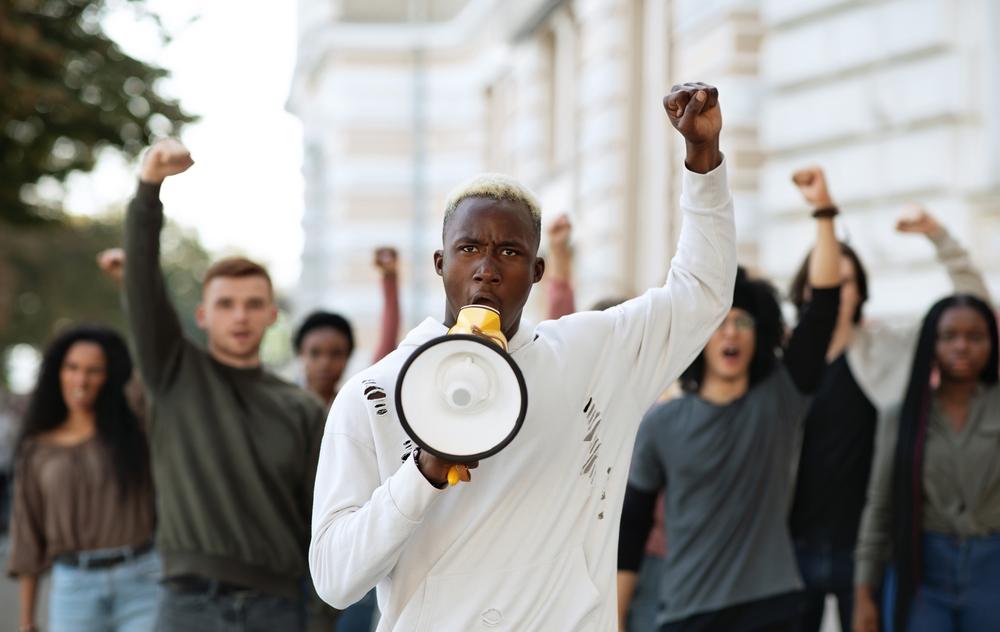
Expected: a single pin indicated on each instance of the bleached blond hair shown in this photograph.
(495, 186)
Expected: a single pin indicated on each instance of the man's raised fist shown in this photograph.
(167, 157)
(693, 109)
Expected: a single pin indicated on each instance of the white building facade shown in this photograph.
(401, 100)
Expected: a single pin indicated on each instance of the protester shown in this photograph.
(868, 363)
(933, 510)
(530, 542)
(234, 448)
(83, 500)
(324, 343)
(723, 455)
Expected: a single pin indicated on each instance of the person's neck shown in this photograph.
(80, 421)
(251, 361)
(842, 336)
(721, 391)
(326, 394)
(956, 392)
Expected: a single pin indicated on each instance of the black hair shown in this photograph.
(908, 462)
(320, 320)
(760, 299)
(800, 282)
(118, 428)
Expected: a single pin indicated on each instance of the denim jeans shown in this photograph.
(825, 572)
(212, 611)
(959, 589)
(120, 598)
(359, 616)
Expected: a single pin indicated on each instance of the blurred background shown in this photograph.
(323, 130)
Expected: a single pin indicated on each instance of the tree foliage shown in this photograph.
(68, 91)
(49, 278)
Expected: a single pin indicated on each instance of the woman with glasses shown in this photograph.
(724, 455)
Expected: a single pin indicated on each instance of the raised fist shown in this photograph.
(916, 219)
(167, 157)
(112, 263)
(386, 260)
(812, 184)
(559, 231)
(693, 109)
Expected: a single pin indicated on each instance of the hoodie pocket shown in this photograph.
(552, 594)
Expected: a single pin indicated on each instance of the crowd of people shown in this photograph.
(193, 489)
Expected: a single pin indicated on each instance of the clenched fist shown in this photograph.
(386, 260)
(693, 109)
(916, 219)
(112, 263)
(167, 157)
(812, 184)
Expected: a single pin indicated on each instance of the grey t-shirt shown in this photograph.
(727, 472)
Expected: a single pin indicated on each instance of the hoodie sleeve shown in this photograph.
(360, 524)
(645, 343)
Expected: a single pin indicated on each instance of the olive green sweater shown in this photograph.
(234, 450)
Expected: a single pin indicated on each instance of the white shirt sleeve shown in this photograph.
(647, 342)
(360, 525)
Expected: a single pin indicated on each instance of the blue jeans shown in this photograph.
(358, 617)
(120, 598)
(646, 600)
(825, 572)
(959, 588)
(244, 611)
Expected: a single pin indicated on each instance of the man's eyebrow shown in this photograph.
(512, 242)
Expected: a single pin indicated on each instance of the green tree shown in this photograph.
(49, 278)
(68, 92)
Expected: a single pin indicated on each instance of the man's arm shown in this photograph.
(637, 521)
(155, 326)
(662, 331)
(965, 277)
(559, 270)
(386, 260)
(360, 524)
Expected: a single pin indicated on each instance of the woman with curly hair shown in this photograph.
(83, 495)
(723, 454)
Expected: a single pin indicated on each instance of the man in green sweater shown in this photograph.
(234, 448)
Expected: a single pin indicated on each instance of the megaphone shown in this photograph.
(460, 396)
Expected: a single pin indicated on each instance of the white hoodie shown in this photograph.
(531, 542)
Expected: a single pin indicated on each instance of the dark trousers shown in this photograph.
(772, 614)
(213, 610)
(825, 571)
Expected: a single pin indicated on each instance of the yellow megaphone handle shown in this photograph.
(457, 474)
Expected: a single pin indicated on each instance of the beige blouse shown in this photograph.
(66, 499)
(961, 481)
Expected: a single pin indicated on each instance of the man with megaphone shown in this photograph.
(550, 413)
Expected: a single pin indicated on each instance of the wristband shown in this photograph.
(826, 212)
(415, 455)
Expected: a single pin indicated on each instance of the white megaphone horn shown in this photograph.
(460, 396)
